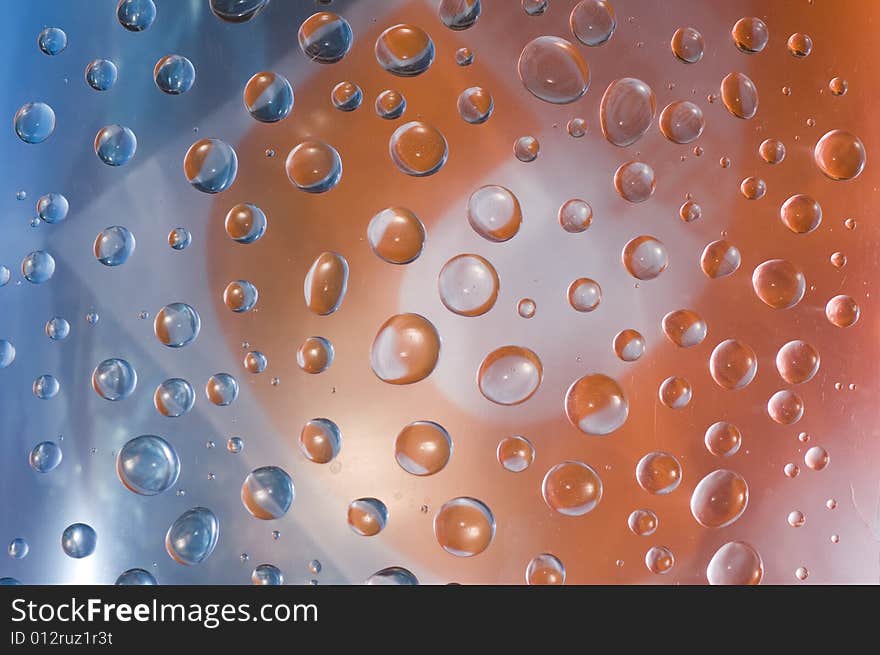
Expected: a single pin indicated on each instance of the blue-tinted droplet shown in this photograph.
(7, 353)
(174, 397)
(52, 208)
(148, 465)
(18, 548)
(192, 537)
(268, 97)
(237, 11)
(34, 122)
(179, 238)
(101, 74)
(45, 456)
(57, 328)
(38, 267)
(115, 145)
(114, 379)
(222, 389)
(136, 15)
(325, 37)
(46, 387)
(79, 540)
(174, 74)
(136, 577)
(267, 574)
(114, 245)
(210, 165)
(52, 40)
(267, 492)
(177, 325)
(393, 575)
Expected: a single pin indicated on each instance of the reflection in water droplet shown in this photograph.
(320, 440)
(346, 96)
(545, 569)
(593, 22)
(801, 214)
(735, 563)
(515, 453)
(475, 105)
(785, 407)
(423, 448)
(797, 362)
(584, 294)
(240, 296)
(750, 34)
(464, 527)
(842, 311)
(682, 122)
(526, 308)
(174, 397)
(526, 148)
(405, 350)
(772, 151)
(255, 362)
(753, 188)
(147, 465)
(658, 473)
(177, 325)
(575, 215)
(675, 392)
(572, 488)
(659, 559)
(237, 11)
(719, 499)
(325, 37)
(46, 387)
(800, 45)
(733, 364)
(468, 285)
(459, 14)
(627, 111)
(418, 149)
(643, 522)
(52, 41)
(629, 345)
(267, 492)
(193, 536)
(838, 86)
(268, 97)
(553, 70)
(596, 404)
(739, 95)
(174, 74)
(136, 577)
(34, 122)
(390, 104)
(267, 574)
(635, 181)
(779, 283)
(510, 375)
(245, 223)
(101, 74)
(38, 267)
(326, 283)
(179, 238)
(79, 540)
(719, 259)
(690, 211)
(221, 389)
(45, 457)
(687, 44)
(396, 235)
(210, 165)
(394, 575)
(115, 145)
(114, 379)
(314, 166)
(367, 516)
(114, 245)
(685, 328)
(404, 50)
(136, 15)
(723, 439)
(315, 355)
(494, 213)
(840, 155)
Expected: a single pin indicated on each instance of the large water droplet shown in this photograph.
(596, 405)
(685, 328)
(750, 34)
(405, 350)
(494, 213)
(174, 397)
(326, 283)
(468, 285)
(396, 235)
(635, 181)
(423, 448)
(174, 74)
(593, 21)
(464, 527)
(510, 375)
(148, 465)
(367, 516)
(325, 37)
(418, 149)
(627, 111)
(267, 492)
(193, 536)
(114, 245)
(114, 379)
(177, 325)
(404, 50)
(682, 121)
(733, 364)
(34, 122)
(719, 499)
(79, 540)
(210, 165)
(797, 362)
(840, 155)
(779, 283)
(553, 70)
(739, 95)
(658, 473)
(268, 97)
(735, 563)
(320, 440)
(572, 488)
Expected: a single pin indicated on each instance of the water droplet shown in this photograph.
(772, 151)
(635, 181)
(553, 70)
(629, 345)
(719, 499)
(52, 40)
(46, 387)
(210, 165)
(685, 328)
(101, 74)
(34, 122)
(423, 448)
(838, 259)
(92, 318)
(723, 439)
(267, 575)
(136, 577)
(367, 516)
(267, 492)
(643, 522)
(315, 355)
(515, 453)
(801, 214)
(235, 445)
(405, 350)
(38, 267)
(719, 259)
(394, 575)
(687, 44)
(840, 155)
(396, 235)
(572, 488)
(690, 211)
(404, 50)
(268, 97)
(221, 389)
(494, 213)
(464, 56)
(584, 294)
(733, 364)
(576, 127)
(418, 149)
(682, 122)
(174, 74)
(475, 105)
(136, 15)
(735, 563)
(79, 540)
(785, 407)
(510, 375)
(800, 45)
(575, 215)
(237, 11)
(658, 473)
(593, 22)
(796, 519)
(739, 95)
(346, 96)
(750, 34)
(838, 86)
(177, 325)
(114, 379)
(7, 353)
(390, 104)
(842, 311)
(627, 111)
(320, 440)
(255, 362)
(753, 188)
(659, 559)
(148, 465)
(245, 223)
(545, 569)
(326, 283)
(174, 397)
(464, 527)
(535, 7)
(797, 362)
(468, 285)
(526, 148)
(179, 238)
(526, 308)
(115, 145)
(675, 392)
(52, 208)
(459, 14)
(114, 245)
(57, 329)
(193, 536)
(240, 296)
(325, 37)
(817, 458)
(45, 457)
(779, 283)
(596, 405)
